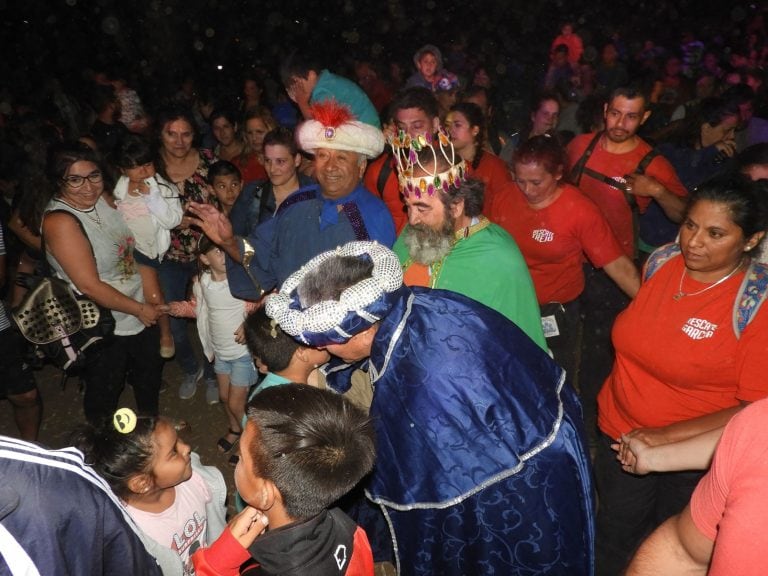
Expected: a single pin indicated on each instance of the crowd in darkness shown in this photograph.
(155, 44)
(55, 54)
(159, 114)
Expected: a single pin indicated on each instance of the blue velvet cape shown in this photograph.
(481, 466)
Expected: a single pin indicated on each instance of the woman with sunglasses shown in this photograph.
(88, 244)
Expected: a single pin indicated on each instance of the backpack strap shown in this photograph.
(658, 258)
(751, 295)
(381, 180)
(749, 298)
(574, 177)
(647, 159)
(581, 168)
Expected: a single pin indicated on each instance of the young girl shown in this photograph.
(178, 504)
(466, 125)
(224, 125)
(219, 315)
(150, 207)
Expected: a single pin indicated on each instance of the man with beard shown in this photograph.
(449, 244)
(619, 171)
(628, 181)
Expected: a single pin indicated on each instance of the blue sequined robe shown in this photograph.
(481, 466)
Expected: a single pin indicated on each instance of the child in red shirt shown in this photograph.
(302, 449)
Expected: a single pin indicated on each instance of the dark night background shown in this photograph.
(156, 42)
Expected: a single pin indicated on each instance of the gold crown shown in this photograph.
(407, 153)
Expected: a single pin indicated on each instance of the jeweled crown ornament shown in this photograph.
(424, 151)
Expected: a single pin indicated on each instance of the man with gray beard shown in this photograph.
(427, 245)
(449, 244)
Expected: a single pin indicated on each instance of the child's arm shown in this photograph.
(251, 306)
(224, 557)
(695, 453)
(182, 308)
(166, 209)
(240, 334)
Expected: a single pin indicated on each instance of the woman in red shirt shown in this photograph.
(686, 361)
(555, 227)
(465, 124)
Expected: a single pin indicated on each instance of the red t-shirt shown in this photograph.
(555, 239)
(730, 503)
(575, 47)
(391, 192)
(250, 168)
(493, 172)
(680, 359)
(611, 201)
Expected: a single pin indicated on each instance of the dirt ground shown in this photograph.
(63, 411)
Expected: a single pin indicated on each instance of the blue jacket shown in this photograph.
(58, 517)
(306, 224)
(244, 215)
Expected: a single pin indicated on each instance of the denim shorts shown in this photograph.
(242, 372)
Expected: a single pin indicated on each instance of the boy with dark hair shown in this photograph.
(286, 359)
(241, 206)
(307, 83)
(302, 449)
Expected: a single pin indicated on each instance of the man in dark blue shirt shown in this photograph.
(313, 219)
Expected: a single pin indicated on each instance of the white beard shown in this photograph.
(427, 246)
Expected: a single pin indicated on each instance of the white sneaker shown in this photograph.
(189, 385)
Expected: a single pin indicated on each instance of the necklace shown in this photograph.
(90, 213)
(680, 294)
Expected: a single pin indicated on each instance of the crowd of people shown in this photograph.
(442, 344)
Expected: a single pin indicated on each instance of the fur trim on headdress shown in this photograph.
(334, 126)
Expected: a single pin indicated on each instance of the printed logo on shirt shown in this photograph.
(543, 235)
(193, 528)
(340, 555)
(699, 329)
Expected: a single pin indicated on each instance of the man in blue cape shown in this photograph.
(481, 462)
